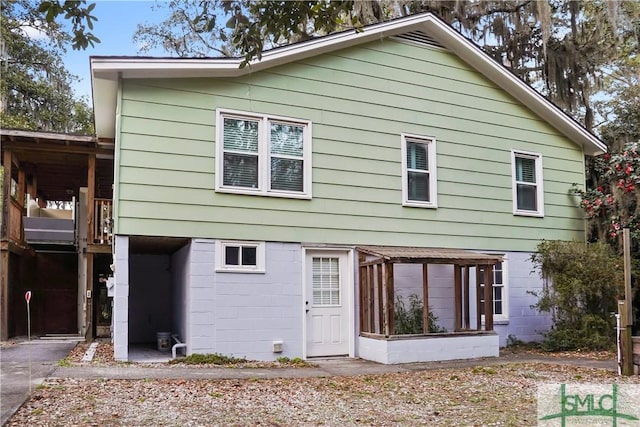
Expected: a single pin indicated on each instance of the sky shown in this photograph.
(117, 21)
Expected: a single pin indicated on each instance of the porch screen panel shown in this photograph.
(326, 281)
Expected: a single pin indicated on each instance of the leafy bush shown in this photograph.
(209, 359)
(409, 321)
(582, 282)
(296, 361)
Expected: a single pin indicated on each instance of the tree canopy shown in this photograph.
(563, 48)
(566, 49)
(36, 90)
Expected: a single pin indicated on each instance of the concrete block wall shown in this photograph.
(242, 314)
(180, 261)
(525, 323)
(202, 297)
(121, 299)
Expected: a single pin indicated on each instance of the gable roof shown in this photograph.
(106, 70)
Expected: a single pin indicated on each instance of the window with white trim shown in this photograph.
(263, 155)
(240, 256)
(419, 171)
(528, 193)
(500, 291)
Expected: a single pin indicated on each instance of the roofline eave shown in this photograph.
(501, 76)
(105, 69)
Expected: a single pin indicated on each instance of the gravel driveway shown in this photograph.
(474, 396)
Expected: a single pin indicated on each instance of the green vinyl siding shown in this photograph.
(359, 101)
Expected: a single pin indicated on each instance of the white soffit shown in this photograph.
(105, 71)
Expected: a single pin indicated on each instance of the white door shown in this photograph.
(327, 303)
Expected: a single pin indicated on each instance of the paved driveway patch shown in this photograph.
(17, 373)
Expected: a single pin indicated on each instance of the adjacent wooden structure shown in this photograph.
(50, 166)
(377, 293)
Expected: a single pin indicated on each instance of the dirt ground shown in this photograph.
(496, 395)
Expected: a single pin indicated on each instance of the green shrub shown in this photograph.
(409, 321)
(209, 359)
(582, 282)
(296, 361)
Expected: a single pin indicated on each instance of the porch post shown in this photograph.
(371, 300)
(467, 319)
(89, 301)
(457, 292)
(91, 194)
(425, 298)
(488, 298)
(7, 163)
(4, 249)
(4, 294)
(21, 190)
(361, 282)
(32, 186)
(364, 311)
(378, 330)
(21, 187)
(478, 298)
(389, 312)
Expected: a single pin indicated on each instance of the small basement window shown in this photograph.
(240, 256)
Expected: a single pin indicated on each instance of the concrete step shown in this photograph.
(62, 337)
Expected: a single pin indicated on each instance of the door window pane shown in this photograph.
(326, 281)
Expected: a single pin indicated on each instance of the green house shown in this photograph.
(292, 207)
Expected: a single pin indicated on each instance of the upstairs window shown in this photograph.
(527, 183)
(418, 171)
(263, 155)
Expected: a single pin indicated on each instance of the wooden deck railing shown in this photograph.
(103, 221)
(15, 222)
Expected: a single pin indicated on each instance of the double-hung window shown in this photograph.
(500, 300)
(263, 155)
(527, 183)
(418, 171)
